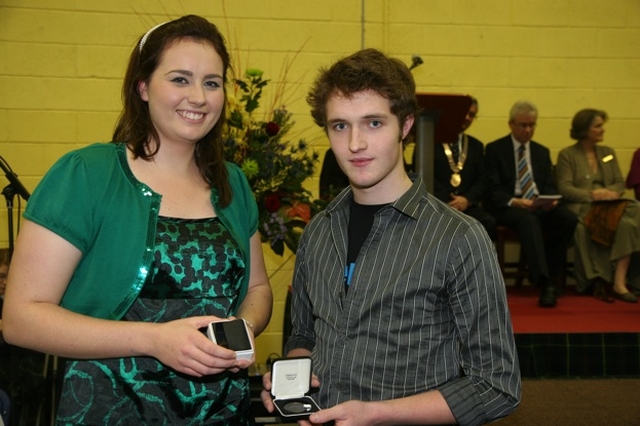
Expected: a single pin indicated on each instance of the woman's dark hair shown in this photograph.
(367, 69)
(583, 120)
(134, 124)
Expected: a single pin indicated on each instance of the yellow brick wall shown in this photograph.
(61, 64)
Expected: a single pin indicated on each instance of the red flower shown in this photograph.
(272, 203)
(271, 128)
(301, 210)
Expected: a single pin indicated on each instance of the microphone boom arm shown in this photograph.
(18, 187)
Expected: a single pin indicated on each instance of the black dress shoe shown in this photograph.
(601, 290)
(558, 283)
(547, 297)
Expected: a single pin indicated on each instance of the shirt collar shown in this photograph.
(517, 144)
(407, 204)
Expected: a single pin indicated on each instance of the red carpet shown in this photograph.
(573, 314)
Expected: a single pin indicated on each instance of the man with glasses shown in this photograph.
(519, 171)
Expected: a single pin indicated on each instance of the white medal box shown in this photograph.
(290, 383)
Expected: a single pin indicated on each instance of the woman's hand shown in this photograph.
(602, 194)
(182, 346)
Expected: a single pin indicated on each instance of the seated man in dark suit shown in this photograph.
(519, 170)
(459, 174)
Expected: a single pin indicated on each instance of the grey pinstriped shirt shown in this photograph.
(426, 309)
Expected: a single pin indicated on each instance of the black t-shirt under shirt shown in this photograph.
(360, 223)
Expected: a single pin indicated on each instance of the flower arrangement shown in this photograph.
(275, 168)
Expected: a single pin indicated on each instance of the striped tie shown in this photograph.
(524, 175)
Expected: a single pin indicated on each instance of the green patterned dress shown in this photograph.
(196, 271)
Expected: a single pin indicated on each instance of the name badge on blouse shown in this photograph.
(607, 158)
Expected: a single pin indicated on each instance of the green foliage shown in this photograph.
(275, 167)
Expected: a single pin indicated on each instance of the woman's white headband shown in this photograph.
(144, 38)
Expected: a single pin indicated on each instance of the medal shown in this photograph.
(456, 168)
(456, 180)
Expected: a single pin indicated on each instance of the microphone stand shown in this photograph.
(14, 188)
(9, 194)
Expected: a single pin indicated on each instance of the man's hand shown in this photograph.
(265, 395)
(350, 413)
(525, 204)
(522, 203)
(459, 202)
(424, 408)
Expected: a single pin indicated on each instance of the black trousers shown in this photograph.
(544, 238)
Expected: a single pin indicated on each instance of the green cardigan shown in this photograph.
(91, 199)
